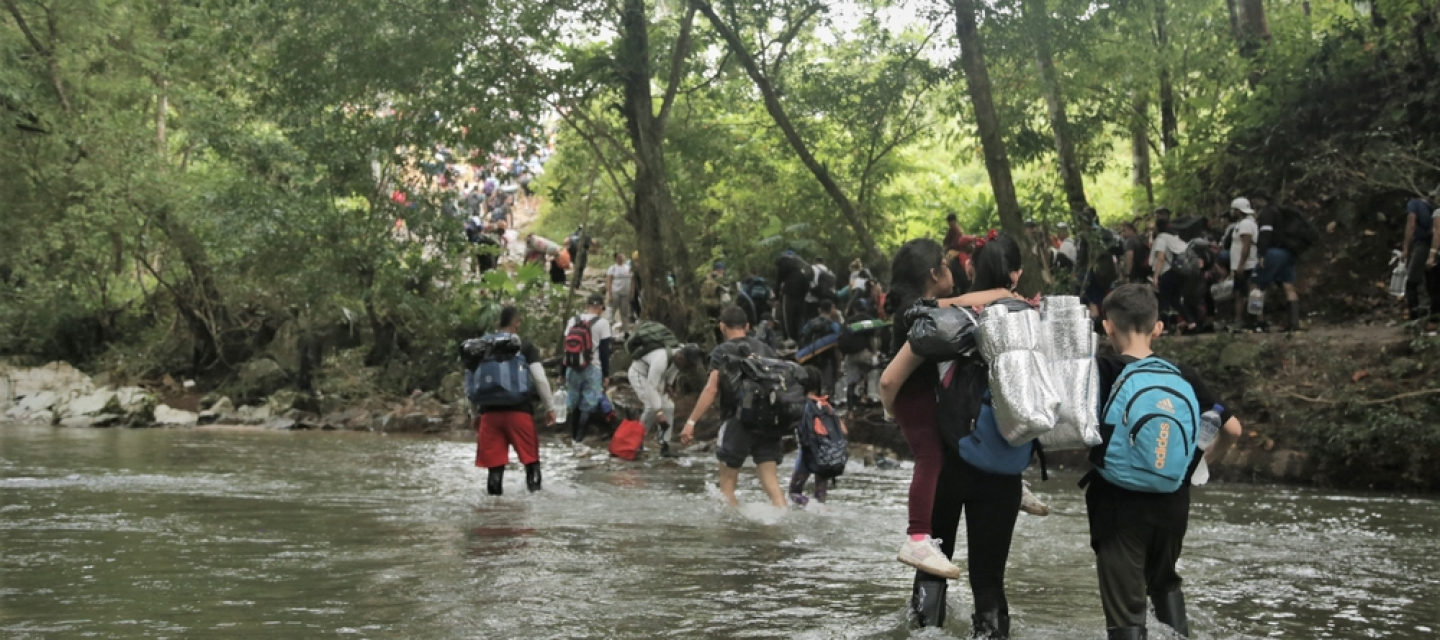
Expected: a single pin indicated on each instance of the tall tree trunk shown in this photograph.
(1070, 177)
(1140, 147)
(873, 254)
(1169, 124)
(1234, 19)
(652, 212)
(992, 144)
(1253, 29)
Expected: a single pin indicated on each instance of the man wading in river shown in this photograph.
(736, 442)
(504, 422)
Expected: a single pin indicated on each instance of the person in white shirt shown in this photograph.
(1067, 246)
(585, 387)
(1169, 281)
(1243, 256)
(617, 283)
(652, 376)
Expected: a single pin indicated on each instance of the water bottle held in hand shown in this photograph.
(1209, 427)
(1256, 305)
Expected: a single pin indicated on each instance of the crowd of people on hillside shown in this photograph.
(789, 359)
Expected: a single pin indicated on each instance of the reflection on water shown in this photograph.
(193, 533)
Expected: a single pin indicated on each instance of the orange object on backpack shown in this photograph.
(563, 258)
(628, 438)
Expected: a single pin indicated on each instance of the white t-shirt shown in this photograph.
(1246, 227)
(1169, 245)
(619, 277)
(1067, 249)
(599, 330)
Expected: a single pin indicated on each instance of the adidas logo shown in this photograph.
(1165, 405)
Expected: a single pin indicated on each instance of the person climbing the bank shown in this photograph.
(1173, 277)
(1419, 254)
(792, 274)
(657, 358)
(737, 441)
(1138, 515)
(1278, 247)
(1243, 256)
(822, 450)
(617, 284)
(944, 485)
(506, 403)
(712, 288)
(586, 356)
(827, 361)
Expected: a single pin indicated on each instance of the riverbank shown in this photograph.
(1338, 407)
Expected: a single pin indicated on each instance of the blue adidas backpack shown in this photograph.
(1154, 419)
(502, 375)
(988, 451)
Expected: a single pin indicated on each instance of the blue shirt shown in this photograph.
(1424, 219)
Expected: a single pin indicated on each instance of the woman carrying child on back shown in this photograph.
(943, 485)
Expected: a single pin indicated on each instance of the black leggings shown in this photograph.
(991, 504)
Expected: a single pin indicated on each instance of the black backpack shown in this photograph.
(758, 291)
(958, 399)
(1297, 233)
(768, 393)
(825, 454)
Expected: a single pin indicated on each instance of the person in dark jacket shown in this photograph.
(1277, 262)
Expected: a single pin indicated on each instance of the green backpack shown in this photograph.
(649, 336)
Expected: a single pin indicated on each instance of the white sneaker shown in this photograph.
(1031, 504)
(926, 556)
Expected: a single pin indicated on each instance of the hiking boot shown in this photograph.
(927, 601)
(665, 450)
(799, 499)
(1170, 610)
(1031, 504)
(925, 555)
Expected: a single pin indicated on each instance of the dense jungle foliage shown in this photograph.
(181, 181)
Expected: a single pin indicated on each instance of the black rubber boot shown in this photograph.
(1294, 316)
(532, 476)
(1125, 633)
(992, 615)
(577, 430)
(495, 485)
(1170, 609)
(927, 601)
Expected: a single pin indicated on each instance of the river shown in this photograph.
(114, 533)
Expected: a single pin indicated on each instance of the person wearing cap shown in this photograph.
(1419, 253)
(584, 388)
(1242, 254)
(617, 283)
(653, 376)
(1067, 248)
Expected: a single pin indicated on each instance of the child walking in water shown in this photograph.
(819, 433)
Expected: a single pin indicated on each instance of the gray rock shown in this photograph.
(220, 412)
(89, 405)
(252, 415)
(262, 376)
(164, 414)
(282, 424)
(82, 422)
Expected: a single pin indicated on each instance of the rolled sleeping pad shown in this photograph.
(816, 348)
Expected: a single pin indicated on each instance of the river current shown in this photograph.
(216, 533)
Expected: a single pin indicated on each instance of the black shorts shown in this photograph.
(737, 443)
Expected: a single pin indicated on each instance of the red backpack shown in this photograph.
(578, 345)
(627, 440)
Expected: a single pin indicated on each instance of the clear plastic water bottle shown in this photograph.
(1256, 305)
(559, 403)
(1209, 428)
(1399, 276)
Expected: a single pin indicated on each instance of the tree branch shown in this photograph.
(787, 36)
(25, 28)
(677, 64)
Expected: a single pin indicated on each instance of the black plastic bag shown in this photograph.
(942, 333)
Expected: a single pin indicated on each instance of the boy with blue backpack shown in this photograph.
(1138, 495)
(503, 379)
(823, 450)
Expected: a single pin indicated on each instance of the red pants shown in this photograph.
(500, 430)
(916, 414)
